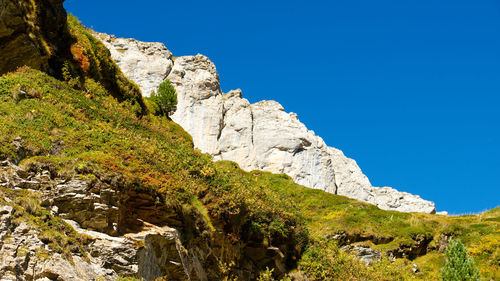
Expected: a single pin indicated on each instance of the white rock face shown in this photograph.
(147, 64)
(262, 136)
(199, 100)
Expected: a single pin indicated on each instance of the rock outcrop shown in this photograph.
(263, 136)
(365, 253)
(147, 64)
(149, 252)
(31, 33)
(123, 232)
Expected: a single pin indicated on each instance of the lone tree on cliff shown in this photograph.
(459, 266)
(165, 101)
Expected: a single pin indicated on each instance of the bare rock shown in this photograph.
(147, 64)
(152, 253)
(21, 259)
(263, 136)
(149, 253)
(199, 100)
(365, 253)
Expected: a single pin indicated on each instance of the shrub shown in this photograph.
(459, 266)
(164, 102)
(266, 275)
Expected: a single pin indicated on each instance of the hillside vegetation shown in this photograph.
(93, 122)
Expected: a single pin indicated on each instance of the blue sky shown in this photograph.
(409, 89)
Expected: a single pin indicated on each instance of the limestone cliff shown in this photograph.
(91, 190)
(260, 136)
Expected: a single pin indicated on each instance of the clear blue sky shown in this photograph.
(409, 89)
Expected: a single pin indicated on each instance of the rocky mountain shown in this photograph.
(95, 187)
(260, 136)
(94, 204)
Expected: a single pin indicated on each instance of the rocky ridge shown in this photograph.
(260, 136)
(116, 238)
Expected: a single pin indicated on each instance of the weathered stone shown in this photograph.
(147, 64)
(94, 210)
(119, 240)
(344, 238)
(365, 253)
(152, 253)
(20, 260)
(418, 247)
(199, 100)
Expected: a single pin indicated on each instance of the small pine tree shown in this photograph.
(165, 99)
(459, 266)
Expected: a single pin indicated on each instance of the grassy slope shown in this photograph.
(101, 134)
(91, 59)
(326, 214)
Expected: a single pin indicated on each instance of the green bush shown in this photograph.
(459, 266)
(164, 102)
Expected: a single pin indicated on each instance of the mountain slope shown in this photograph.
(92, 187)
(247, 220)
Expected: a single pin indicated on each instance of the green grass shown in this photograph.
(91, 59)
(326, 214)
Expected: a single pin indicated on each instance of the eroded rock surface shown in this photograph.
(23, 256)
(199, 100)
(263, 136)
(126, 232)
(365, 253)
(147, 64)
(149, 253)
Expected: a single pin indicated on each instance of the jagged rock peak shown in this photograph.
(147, 64)
(263, 136)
